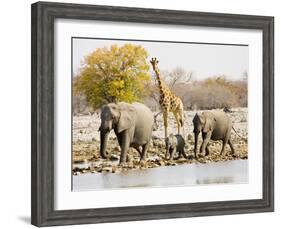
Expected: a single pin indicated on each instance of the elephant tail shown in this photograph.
(181, 122)
(237, 133)
(182, 126)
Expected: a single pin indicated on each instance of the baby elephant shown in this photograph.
(174, 143)
(214, 125)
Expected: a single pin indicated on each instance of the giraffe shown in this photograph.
(168, 101)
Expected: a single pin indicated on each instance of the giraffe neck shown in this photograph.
(161, 83)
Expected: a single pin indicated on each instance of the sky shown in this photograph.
(203, 60)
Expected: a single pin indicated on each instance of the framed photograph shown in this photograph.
(142, 114)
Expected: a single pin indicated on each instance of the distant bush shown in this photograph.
(211, 93)
(216, 92)
(80, 105)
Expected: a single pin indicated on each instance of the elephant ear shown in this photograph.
(208, 124)
(127, 118)
(201, 118)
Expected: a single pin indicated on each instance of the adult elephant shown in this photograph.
(214, 125)
(132, 124)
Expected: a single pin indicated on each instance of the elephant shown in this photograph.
(175, 143)
(132, 124)
(214, 125)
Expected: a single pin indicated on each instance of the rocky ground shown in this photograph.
(86, 145)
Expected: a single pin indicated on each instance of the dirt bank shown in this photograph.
(86, 145)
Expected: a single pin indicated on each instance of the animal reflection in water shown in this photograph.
(218, 180)
(234, 172)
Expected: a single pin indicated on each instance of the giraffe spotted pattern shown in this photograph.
(168, 101)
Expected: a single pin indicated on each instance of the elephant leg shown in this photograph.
(179, 155)
(207, 150)
(119, 139)
(206, 139)
(223, 146)
(144, 151)
(167, 155)
(138, 148)
(125, 143)
(182, 153)
(165, 119)
(231, 147)
(173, 154)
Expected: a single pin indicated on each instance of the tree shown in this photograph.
(113, 74)
(178, 76)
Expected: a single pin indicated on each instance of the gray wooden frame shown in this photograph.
(42, 183)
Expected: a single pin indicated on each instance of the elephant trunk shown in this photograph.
(103, 144)
(167, 155)
(196, 134)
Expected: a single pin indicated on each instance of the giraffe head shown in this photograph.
(154, 63)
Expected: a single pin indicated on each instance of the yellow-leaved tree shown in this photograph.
(113, 74)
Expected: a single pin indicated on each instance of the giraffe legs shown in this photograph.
(179, 119)
(176, 114)
(165, 119)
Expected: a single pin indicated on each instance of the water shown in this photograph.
(232, 172)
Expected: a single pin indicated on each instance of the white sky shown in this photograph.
(204, 60)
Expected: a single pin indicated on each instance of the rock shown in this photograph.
(190, 156)
(189, 137)
(114, 157)
(129, 158)
(99, 169)
(142, 163)
(130, 165)
(117, 148)
(171, 163)
(158, 142)
(106, 169)
(106, 165)
(113, 169)
(85, 160)
(76, 169)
